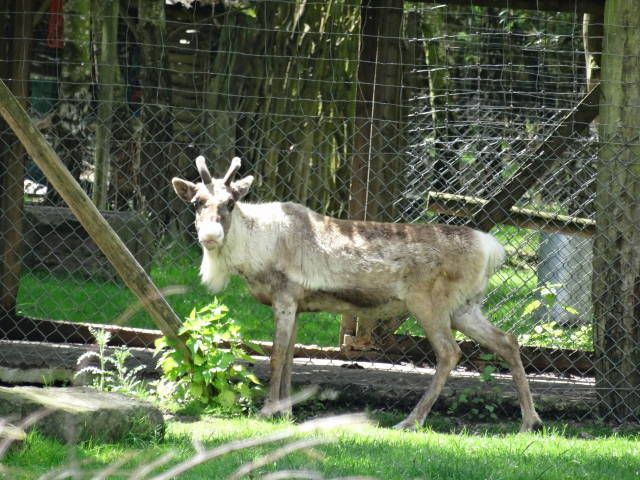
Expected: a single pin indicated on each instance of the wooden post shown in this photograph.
(105, 14)
(379, 112)
(616, 251)
(378, 140)
(97, 227)
(12, 172)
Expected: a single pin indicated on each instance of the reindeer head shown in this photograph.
(213, 200)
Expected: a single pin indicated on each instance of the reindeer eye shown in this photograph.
(197, 203)
(230, 204)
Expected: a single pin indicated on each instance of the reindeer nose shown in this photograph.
(211, 235)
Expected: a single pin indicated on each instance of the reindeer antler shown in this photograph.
(235, 166)
(201, 164)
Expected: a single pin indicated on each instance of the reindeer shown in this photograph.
(296, 260)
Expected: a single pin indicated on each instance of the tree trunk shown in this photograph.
(12, 162)
(221, 100)
(616, 288)
(156, 161)
(106, 26)
(443, 161)
(74, 88)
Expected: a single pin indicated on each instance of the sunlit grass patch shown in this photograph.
(490, 451)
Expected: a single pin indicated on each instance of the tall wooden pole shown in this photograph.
(96, 226)
(105, 17)
(13, 166)
(616, 256)
(378, 140)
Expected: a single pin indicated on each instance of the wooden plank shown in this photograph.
(538, 163)
(60, 331)
(96, 226)
(578, 6)
(535, 359)
(402, 348)
(462, 206)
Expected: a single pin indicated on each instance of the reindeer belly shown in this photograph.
(371, 303)
(352, 301)
(262, 295)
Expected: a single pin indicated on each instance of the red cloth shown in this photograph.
(55, 33)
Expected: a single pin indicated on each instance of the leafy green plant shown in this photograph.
(548, 332)
(548, 295)
(476, 404)
(480, 401)
(216, 373)
(111, 374)
(486, 375)
(557, 336)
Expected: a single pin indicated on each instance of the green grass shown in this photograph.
(432, 453)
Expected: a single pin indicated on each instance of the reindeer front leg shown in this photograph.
(284, 311)
(285, 381)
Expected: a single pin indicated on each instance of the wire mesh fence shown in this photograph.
(386, 110)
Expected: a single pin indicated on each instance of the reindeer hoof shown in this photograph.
(533, 426)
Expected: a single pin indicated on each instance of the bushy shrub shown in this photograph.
(217, 374)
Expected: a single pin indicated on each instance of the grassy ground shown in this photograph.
(43, 295)
(432, 453)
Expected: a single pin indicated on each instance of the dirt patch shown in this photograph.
(358, 385)
(385, 386)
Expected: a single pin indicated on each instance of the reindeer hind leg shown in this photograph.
(438, 332)
(474, 324)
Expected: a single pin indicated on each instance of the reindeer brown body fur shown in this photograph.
(296, 260)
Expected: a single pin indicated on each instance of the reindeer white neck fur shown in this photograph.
(214, 271)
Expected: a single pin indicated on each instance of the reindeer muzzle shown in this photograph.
(211, 236)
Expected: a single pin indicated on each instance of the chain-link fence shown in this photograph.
(381, 110)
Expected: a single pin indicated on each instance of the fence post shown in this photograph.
(379, 120)
(96, 226)
(616, 255)
(18, 52)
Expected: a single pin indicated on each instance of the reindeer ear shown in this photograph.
(185, 189)
(240, 188)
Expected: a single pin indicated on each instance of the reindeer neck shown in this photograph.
(252, 235)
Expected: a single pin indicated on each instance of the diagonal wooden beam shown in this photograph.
(462, 206)
(576, 6)
(96, 226)
(538, 163)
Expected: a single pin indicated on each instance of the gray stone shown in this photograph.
(76, 414)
